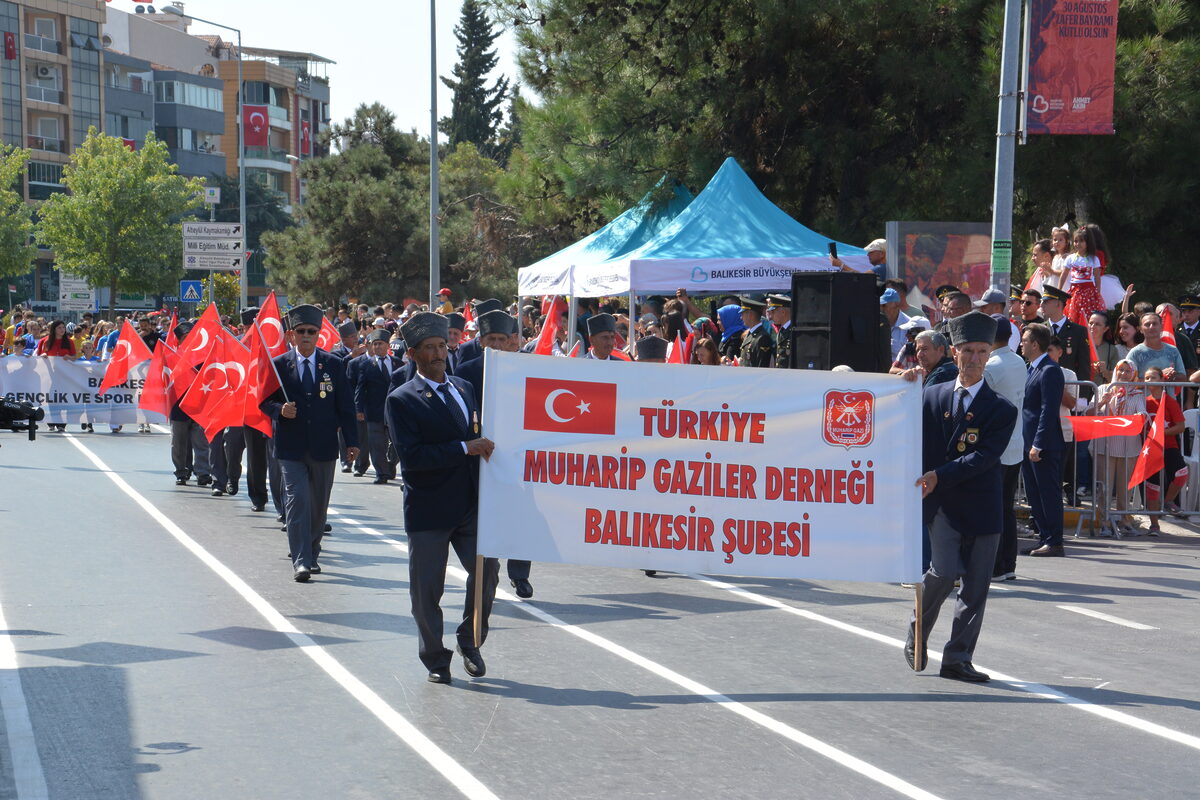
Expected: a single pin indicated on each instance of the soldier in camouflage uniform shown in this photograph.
(758, 348)
(779, 312)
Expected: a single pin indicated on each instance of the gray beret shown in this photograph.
(484, 306)
(306, 314)
(347, 329)
(971, 327)
(249, 315)
(601, 323)
(456, 320)
(379, 335)
(422, 325)
(496, 321)
(651, 347)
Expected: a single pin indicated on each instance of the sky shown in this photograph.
(381, 46)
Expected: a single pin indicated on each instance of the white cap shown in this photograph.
(879, 245)
(915, 322)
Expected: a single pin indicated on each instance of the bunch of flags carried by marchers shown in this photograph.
(217, 379)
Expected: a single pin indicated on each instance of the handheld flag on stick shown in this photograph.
(1150, 460)
(129, 352)
(1087, 428)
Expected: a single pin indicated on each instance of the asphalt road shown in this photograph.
(153, 644)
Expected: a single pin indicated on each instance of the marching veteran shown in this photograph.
(965, 428)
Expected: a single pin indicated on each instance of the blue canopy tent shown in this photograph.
(731, 238)
(632, 229)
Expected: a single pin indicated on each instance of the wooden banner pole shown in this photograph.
(478, 617)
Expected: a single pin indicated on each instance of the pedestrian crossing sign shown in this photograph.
(190, 291)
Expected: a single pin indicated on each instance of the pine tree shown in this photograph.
(476, 112)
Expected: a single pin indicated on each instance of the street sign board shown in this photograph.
(75, 294)
(212, 261)
(212, 195)
(212, 230)
(191, 291)
(212, 246)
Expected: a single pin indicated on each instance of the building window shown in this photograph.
(189, 94)
(10, 80)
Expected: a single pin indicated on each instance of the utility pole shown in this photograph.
(1006, 149)
(435, 254)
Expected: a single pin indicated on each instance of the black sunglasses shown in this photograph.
(306, 331)
(1029, 302)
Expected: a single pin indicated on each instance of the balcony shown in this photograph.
(35, 42)
(46, 143)
(278, 113)
(137, 85)
(43, 95)
(268, 154)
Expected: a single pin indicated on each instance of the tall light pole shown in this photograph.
(435, 255)
(243, 281)
(1006, 148)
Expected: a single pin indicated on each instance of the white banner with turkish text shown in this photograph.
(67, 390)
(718, 470)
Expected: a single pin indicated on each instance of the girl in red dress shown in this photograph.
(1083, 277)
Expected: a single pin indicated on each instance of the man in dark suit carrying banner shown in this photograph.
(434, 423)
(965, 428)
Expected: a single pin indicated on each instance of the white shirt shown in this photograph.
(899, 337)
(436, 387)
(972, 390)
(1005, 373)
(312, 362)
(1033, 364)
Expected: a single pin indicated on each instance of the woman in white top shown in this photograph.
(1114, 455)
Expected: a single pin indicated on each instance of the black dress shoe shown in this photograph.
(358, 473)
(650, 573)
(472, 661)
(1049, 551)
(204, 480)
(524, 588)
(217, 491)
(302, 575)
(256, 507)
(380, 481)
(345, 468)
(231, 488)
(280, 518)
(1028, 551)
(963, 671)
(328, 527)
(440, 675)
(283, 528)
(315, 569)
(181, 481)
(910, 645)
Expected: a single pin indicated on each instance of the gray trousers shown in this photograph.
(189, 449)
(361, 463)
(427, 554)
(382, 454)
(306, 488)
(955, 556)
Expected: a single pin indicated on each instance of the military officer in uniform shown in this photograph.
(602, 332)
(313, 403)
(435, 424)
(372, 382)
(758, 348)
(965, 429)
(779, 311)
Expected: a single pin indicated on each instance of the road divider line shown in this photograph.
(29, 778)
(817, 746)
(1087, 612)
(454, 772)
(1036, 689)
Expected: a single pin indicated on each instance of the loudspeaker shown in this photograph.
(835, 320)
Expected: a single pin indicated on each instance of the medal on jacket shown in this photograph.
(326, 385)
(962, 447)
(475, 421)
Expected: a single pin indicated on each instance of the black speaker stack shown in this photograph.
(835, 320)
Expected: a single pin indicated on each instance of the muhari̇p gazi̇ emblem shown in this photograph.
(849, 418)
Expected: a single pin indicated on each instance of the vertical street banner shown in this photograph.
(718, 470)
(1072, 62)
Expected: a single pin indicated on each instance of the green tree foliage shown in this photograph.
(229, 293)
(358, 229)
(16, 221)
(476, 110)
(119, 224)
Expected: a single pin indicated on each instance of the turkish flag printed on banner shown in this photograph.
(129, 352)
(261, 382)
(570, 406)
(256, 126)
(155, 396)
(270, 323)
(329, 337)
(305, 138)
(1097, 427)
(194, 347)
(1150, 460)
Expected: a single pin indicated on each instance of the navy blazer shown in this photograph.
(469, 351)
(1040, 424)
(472, 373)
(970, 481)
(313, 431)
(441, 481)
(371, 385)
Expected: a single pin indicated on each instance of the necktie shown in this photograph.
(961, 409)
(382, 367)
(310, 381)
(452, 406)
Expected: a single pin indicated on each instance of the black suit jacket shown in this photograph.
(469, 351)
(441, 481)
(313, 431)
(1040, 423)
(472, 373)
(969, 485)
(372, 385)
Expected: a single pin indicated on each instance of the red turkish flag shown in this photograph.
(1096, 427)
(570, 406)
(129, 352)
(261, 381)
(675, 351)
(194, 347)
(256, 126)
(158, 376)
(10, 46)
(305, 138)
(552, 308)
(172, 341)
(1150, 460)
(1168, 323)
(270, 323)
(215, 398)
(180, 376)
(130, 143)
(577, 350)
(621, 355)
(329, 337)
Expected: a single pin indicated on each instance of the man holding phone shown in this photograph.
(876, 254)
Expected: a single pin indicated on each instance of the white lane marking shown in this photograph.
(161, 428)
(1087, 612)
(770, 723)
(1036, 689)
(419, 742)
(28, 777)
